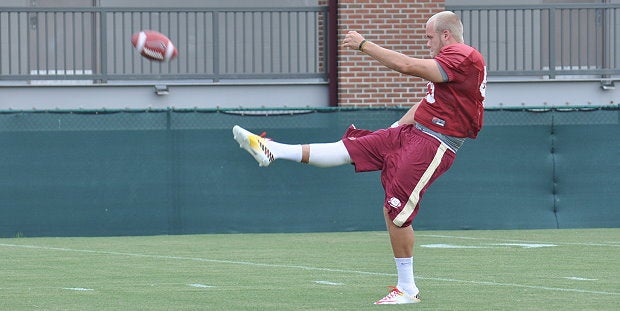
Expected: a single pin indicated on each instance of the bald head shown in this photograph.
(447, 20)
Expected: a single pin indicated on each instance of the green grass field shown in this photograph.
(455, 270)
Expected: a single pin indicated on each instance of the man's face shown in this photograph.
(433, 38)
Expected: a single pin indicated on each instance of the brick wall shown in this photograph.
(393, 24)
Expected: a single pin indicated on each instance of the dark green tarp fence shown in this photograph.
(92, 173)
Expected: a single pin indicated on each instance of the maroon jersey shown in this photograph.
(455, 107)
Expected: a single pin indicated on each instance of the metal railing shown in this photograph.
(549, 41)
(92, 45)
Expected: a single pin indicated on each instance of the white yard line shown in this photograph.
(329, 283)
(199, 285)
(256, 264)
(79, 289)
(512, 241)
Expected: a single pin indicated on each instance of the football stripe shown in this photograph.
(141, 41)
(169, 50)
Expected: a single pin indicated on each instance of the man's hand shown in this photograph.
(352, 40)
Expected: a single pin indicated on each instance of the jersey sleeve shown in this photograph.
(451, 60)
(444, 75)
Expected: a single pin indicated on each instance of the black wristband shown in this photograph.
(361, 46)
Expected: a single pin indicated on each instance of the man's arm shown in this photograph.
(408, 118)
(427, 69)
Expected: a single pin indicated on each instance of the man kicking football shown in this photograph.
(416, 149)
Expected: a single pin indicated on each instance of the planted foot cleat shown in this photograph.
(396, 297)
(253, 144)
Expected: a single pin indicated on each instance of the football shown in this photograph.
(154, 45)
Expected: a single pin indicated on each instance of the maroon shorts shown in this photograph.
(409, 159)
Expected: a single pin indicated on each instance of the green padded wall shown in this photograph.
(179, 172)
(587, 164)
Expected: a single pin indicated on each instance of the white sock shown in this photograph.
(285, 151)
(406, 282)
(329, 154)
(321, 155)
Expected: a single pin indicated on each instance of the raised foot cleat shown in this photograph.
(253, 144)
(396, 297)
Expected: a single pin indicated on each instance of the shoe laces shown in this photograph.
(394, 292)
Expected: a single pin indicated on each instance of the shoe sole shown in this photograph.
(242, 137)
(404, 299)
(414, 300)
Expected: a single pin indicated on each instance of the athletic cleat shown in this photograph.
(396, 297)
(254, 144)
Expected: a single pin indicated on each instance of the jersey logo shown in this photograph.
(439, 122)
(394, 202)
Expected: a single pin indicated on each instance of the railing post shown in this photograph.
(603, 26)
(552, 31)
(103, 33)
(216, 51)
